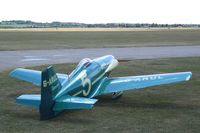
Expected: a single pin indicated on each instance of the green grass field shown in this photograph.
(168, 108)
(26, 40)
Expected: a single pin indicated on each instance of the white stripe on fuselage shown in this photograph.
(79, 92)
(111, 66)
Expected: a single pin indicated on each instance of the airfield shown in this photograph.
(166, 108)
(23, 58)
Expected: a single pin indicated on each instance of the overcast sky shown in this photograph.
(102, 11)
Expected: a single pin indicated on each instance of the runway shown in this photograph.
(13, 59)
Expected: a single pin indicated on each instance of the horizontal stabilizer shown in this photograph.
(29, 99)
(70, 102)
(33, 76)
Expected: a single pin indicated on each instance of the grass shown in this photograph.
(95, 29)
(52, 39)
(167, 108)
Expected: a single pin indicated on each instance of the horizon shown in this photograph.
(101, 23)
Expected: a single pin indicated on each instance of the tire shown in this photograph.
(117, 95)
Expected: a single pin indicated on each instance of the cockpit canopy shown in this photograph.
(82, 64)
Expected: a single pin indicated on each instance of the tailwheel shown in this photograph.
(117, 95)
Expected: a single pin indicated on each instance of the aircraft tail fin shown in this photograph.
(50, 86)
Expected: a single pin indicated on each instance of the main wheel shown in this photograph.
(117, 95)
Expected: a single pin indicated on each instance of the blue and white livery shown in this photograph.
(89, 79)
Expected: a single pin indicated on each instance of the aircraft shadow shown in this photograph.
(118, 103)
(103, 101)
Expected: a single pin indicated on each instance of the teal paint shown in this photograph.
(89, 79)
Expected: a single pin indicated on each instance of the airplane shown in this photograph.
(89, 79)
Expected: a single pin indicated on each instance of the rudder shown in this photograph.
(50, 86)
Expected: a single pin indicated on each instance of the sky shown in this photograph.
(102, 11)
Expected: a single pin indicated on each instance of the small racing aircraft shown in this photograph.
(89, 79)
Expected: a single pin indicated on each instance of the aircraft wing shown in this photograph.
(33, 76)
(139, 82)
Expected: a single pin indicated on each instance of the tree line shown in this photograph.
(31, 24)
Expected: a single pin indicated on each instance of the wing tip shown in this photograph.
(14, 72)
(189, 76)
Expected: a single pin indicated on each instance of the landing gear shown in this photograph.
(117, 95)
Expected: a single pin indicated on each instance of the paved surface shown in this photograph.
(13, 59)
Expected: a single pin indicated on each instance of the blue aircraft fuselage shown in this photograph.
(85, 80)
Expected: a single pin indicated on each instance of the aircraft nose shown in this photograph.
(104, 60)
(108, 59)
(107, 62)
(113, 64)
